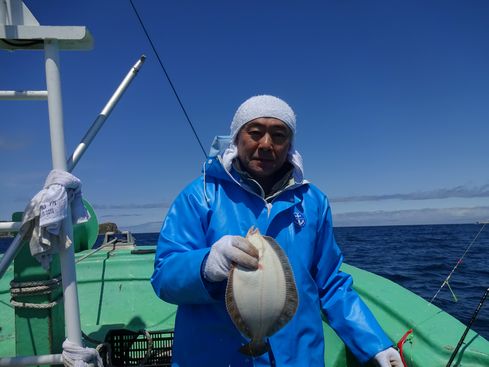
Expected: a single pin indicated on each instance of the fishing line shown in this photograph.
(168, 78)
(408, 336)
(445, 282)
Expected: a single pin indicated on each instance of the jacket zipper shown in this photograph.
(267, 204)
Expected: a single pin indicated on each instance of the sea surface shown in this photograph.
(417, 257)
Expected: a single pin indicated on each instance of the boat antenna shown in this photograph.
(168, 78)
(476, 312)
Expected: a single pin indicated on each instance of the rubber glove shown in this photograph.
(226, 252)
(388, 358)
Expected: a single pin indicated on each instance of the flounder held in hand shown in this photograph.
(262, 301)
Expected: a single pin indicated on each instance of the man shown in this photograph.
(258, 181)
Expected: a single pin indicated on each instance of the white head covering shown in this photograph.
(262, 106)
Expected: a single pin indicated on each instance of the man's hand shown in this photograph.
(229, 250)
(388, 358)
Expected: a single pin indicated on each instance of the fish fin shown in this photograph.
(232, 309)
(291, 295)
(255, 348)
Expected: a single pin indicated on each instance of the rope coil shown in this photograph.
(39, 306)
(34, 288)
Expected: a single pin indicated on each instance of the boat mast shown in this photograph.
(58, 155)
(20, 30)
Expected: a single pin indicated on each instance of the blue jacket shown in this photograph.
(299, 218)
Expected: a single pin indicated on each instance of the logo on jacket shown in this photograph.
(299, 219)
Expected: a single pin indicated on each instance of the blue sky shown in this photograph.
(391, 99)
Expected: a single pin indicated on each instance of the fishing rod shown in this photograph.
(168, 78)
(446, 281)
(409, 334)
(474, 316)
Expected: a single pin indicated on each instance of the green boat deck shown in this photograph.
(115, 293)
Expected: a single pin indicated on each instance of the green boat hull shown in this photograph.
(115, 293)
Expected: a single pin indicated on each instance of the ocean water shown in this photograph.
(421, 257)
(417, 257)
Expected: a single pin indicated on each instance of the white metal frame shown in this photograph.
(17, 23)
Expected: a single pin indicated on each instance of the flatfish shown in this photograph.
(260, 302)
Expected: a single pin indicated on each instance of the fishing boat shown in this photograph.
(101, 298)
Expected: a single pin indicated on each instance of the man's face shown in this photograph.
(263, 145)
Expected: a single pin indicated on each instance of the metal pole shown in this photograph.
(98, 123)
(11, 253)
(33, 95)
(10, 226)
(32, 360)
(66, 255)
(75, 157)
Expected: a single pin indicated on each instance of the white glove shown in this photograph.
(388, 358)
(226, 252)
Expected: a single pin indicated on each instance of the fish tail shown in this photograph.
(255, 348)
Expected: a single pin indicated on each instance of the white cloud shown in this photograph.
(412, 216)
(460, 191)
(132, 206)
(149, 227)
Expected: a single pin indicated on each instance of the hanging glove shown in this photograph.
(388, 358)
(226, 252)
(43, 216)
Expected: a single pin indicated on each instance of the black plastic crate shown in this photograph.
(142, 348)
